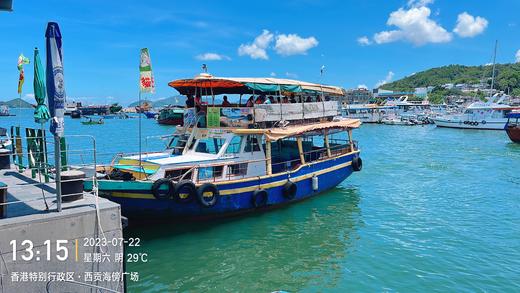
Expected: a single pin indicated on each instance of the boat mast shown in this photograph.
(494, 65)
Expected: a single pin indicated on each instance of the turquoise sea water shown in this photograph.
(432, 210)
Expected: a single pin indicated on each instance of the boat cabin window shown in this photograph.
(213, 172)
(252, 144)
(209, 145)
(237, 169)
(177, 174)
(234, 145)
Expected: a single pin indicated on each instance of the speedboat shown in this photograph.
(513, 126)
(489, 115)
(218, 166)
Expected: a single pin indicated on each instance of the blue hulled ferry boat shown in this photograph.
(232, 159)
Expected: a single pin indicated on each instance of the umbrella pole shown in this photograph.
(42, 141)
(57, 163)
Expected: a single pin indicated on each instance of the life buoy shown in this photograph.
(184, 191)
(289, 189)
(160, 193)
(357, 164)
(475, 123)
(483, 122)
(207, 194)
(260, 198)
(466, 122)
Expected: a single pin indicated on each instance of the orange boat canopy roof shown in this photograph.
(206, 84)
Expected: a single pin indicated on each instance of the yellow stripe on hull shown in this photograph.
(245, 189)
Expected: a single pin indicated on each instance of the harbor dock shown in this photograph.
(32, 227)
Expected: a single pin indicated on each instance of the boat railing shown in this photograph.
(31, 179)
(240, 116)
(239, 168)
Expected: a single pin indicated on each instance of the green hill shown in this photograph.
(507, 78)
(16, 103)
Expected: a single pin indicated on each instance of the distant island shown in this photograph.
(16, 103)
(452, 79)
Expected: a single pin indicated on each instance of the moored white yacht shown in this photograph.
(489, 115)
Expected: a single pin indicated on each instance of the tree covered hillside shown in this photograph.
(507, 78)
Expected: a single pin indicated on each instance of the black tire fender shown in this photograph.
(260, 198)
(357, 164)
(289, 189)
(202, 195)
(161, 194)
(184, 191)
(483, 122)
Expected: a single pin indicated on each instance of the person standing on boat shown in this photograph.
(270, 100)
(190, 102)
(198, 103)
(225, 102)
(250, 101)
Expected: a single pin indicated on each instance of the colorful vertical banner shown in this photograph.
(213, 117)
(22, 60)
(55, 80)
(146, 82)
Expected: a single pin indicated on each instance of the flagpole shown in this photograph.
(139, 118)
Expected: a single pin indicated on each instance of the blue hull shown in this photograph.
(236, 196)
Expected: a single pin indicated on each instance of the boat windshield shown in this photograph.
(209, 145)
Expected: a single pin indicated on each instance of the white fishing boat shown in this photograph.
(489, 115)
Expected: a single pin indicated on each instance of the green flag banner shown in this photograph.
(146, 82)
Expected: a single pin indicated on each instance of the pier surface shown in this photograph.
(29, 219)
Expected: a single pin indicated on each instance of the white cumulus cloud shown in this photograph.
(362, 86)
(469, 26)
(292, 44)
(257, 49)
(211, 57)
(414, 26)
(517, 56)
(388, 78)
(273, 74)
(364, 41)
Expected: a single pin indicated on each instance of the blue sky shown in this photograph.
(359, 42)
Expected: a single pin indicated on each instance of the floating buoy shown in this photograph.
(315, 182)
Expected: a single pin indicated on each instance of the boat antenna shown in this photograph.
(322, 70)
(494, 65)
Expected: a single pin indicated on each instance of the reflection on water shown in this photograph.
(286, 249)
